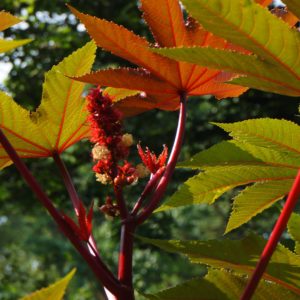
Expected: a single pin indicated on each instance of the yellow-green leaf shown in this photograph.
(9, 45)
(233, 285)
(240, 256)
(280, 135)
(208, 186)
(55, 291)
(119, 94)
(294, 230)
(251, 26)
(59, 121)
(7, 20)
(255, 199)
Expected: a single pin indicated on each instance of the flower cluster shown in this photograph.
(111, 145)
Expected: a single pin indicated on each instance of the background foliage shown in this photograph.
(32, 252)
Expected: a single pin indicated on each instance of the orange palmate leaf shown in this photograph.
(60, 120)
(162, 80)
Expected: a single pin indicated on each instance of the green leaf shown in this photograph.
(7, 20)
(233, 286)
(274, 134)
(224, 153)
(210, 185)
(222, 284)
(195, 289)
(62, 113)
(264, 76)
(243, 21)
(255, 199)
(9, 45)
(293, 6)
(55, 291)
(60, 120)
(271, 157)
(240, 256)
(294, 230)
(119, 94)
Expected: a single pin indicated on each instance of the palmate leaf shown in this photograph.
(206, 187)
(240, 256)
(222, 284)
(7, 20)
(59, 121)
(275, 65)
(263, 151)
(161, 79)
(55, 291)
(255, 199)
(293, 229)
(274, 134)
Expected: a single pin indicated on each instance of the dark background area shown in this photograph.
(33, 253)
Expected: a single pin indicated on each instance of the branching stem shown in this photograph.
(73, 195)
(164, 181)
(105, 277)
(273, 240)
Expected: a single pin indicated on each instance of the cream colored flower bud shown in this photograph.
(142, 171)
(127, 140)
(100, 152)
(103, 178)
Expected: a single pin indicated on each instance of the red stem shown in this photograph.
(68, 182)
(121, 202)
(125, 259)
(273, 240)
(163, 183)
(147, 190)
(106, 278)
(72, 194)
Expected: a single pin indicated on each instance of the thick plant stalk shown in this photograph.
(132, 221)
(273, 240)
(73, 196)
(164, 181)
(96, 265)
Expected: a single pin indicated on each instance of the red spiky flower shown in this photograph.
(111, 145)
(150, 160)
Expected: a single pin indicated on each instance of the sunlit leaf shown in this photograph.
(208, 186)
(240, 256)
(55, 291)
(60, 120)
(255, 199)
(7, 20)
(280, 135)
(161, 79)
(275, 65)
(293, 228)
